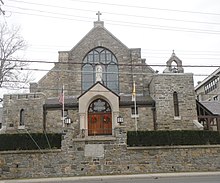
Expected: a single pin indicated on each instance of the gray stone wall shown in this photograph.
(141, 72)
(106, 156)
(32, 104)
(54, 122)
(52, 83)
(162, 88)
(144, 119)
(69, 73)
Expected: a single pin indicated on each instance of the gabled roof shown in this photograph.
(97, 83)
(98, 25)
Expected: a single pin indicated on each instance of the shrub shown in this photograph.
(169, 138)
(32, 141)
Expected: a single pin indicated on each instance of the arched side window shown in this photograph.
(21, 123)
(176, 104)
(106, 59)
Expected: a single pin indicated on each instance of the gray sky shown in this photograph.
(190, 27)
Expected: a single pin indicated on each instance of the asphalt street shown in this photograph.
(202, 177)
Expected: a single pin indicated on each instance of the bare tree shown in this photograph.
(11, 69)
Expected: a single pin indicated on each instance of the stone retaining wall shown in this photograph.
(107, 156)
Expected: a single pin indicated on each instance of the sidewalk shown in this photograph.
(154, 175)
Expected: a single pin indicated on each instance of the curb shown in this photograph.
(152, 175)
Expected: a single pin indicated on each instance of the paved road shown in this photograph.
(210, 177)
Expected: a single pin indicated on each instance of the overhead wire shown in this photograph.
(143, 50)
(136, 25)
(130, 6)
(153, 8)
(71, 62)
(121, 14)
(79, 91)
(122, 23)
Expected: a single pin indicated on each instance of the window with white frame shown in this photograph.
(134, 113)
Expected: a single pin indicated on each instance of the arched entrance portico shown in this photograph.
(99, 118)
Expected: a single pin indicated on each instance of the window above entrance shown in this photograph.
(101, 63)
(99, 105)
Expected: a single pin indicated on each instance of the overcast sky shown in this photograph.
(190, 27)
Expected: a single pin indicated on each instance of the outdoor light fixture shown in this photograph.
(67, 120)
(120, 120)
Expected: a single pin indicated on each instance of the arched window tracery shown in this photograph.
(109, 64)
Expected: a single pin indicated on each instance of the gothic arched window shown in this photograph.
(176, 104)
(109, 66)
(21, 123)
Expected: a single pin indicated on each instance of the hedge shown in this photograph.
(170, 138)
(31, 141)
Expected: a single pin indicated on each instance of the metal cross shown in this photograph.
(98, 15)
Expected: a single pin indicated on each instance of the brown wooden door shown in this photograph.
(99, 124)
(99, 118)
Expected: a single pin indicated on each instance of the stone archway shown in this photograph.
(99, 118)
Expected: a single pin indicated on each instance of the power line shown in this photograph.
(168, 51)
(136, 25)
(121, 5)
(158, 27)
(81, 63)
(143, 50)
(57, 89)
(123, 23)
(54, 13)
(52, 5)
(130, 15)
(145, 7)
(167, 19)
(47, 16)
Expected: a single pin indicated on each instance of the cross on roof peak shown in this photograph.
(99, 13)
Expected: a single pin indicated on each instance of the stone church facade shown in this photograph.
(98, 76)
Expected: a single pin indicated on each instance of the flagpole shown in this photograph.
(135, 105)
(63, 107)
(135, 112)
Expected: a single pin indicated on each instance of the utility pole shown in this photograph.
(1, 11)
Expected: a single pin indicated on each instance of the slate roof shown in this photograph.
(140, 101)
(72, 101)
(213, 106)
(69, 101)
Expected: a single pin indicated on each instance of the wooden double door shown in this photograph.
(99, 118)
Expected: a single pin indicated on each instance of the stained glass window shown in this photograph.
(99, 105)
(107, 60)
